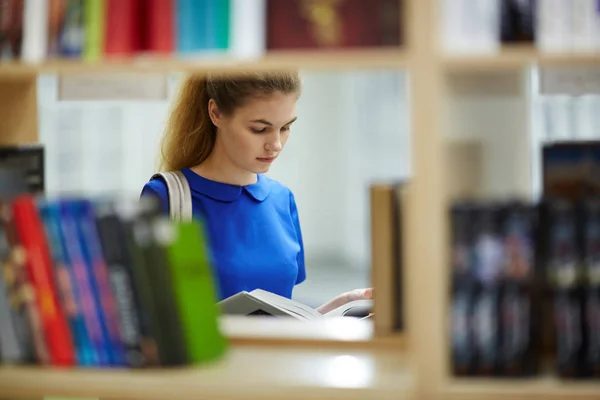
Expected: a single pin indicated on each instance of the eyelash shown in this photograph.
(263, 130)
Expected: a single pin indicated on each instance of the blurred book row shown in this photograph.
(36, 30)
(101, 282)
(551, 25)
(526, 288)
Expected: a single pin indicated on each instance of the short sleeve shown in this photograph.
(301, 266)
(158, 189)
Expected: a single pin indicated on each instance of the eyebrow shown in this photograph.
(265, 122)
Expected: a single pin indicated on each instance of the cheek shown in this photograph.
(238, 139)
(284, 138)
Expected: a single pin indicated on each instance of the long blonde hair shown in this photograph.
(190, 134)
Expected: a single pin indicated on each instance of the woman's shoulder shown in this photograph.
(277, 188)
(157, 188)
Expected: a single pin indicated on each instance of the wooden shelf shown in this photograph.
(245, 373)
(542, 388)
(516, 57)
(392, 58)
(349, 333)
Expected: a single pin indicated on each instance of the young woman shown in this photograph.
(223, 135)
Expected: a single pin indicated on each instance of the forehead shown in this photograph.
(275, 108)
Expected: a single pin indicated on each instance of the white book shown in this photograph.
(247, 21)
(260, 302)
(470, 26)
(585, 26)
(554, 26)
(35, 31)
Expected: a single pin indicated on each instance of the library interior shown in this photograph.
(157, 241)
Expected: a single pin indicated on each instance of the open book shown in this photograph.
(261, 302)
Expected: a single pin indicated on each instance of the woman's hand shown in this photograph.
(353, 295)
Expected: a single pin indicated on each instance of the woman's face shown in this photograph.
(255, 134)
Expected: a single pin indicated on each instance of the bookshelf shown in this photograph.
(323, 359)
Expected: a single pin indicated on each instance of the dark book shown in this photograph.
(171, 341)
(562, 259)
(150, 328)
(462, 291)
(114, 248)
(518, 19)
(329, 24)
(29, 160)
(590, 243)
(520, 296)
(11, 28)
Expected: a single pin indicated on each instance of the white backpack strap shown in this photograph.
(180, 196)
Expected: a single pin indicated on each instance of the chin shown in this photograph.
(262, 169)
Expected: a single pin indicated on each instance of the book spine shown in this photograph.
(114, 249)
(88, 236)
(160, 26)
(172, 346)
(35, 31)
(193, 288)
(67, 284)
(11, 347)
(83, 283)
(94, 22)
(57, 334)
(72, 36)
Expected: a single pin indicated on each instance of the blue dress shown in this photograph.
(254, 235)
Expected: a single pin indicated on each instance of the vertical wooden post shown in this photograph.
(18, 111)
(425, 222)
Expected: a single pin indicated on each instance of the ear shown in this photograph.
(214, 113)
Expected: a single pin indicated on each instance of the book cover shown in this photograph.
(297, 24)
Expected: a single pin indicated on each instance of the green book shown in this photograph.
(194, 289)
(94, 22)
(222, 24)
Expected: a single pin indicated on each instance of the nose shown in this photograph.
(274, 144)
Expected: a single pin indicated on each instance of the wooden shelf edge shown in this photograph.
(536, 388)
(393, 58)
(244, 373)
(332, 333)
(515, 57)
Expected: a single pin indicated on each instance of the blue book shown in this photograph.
(66, 282)
(84, 282)
(192, 24)
(97, 270)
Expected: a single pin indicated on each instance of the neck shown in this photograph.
(219, 167)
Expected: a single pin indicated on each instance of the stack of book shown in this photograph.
(526, 285)
(551, 25)
(101, 283)
(36, 30)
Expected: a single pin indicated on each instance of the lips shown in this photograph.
(266, 159)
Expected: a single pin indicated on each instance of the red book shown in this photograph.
(123, 31)
(38, 267)
(159, 26)
(339, 24)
